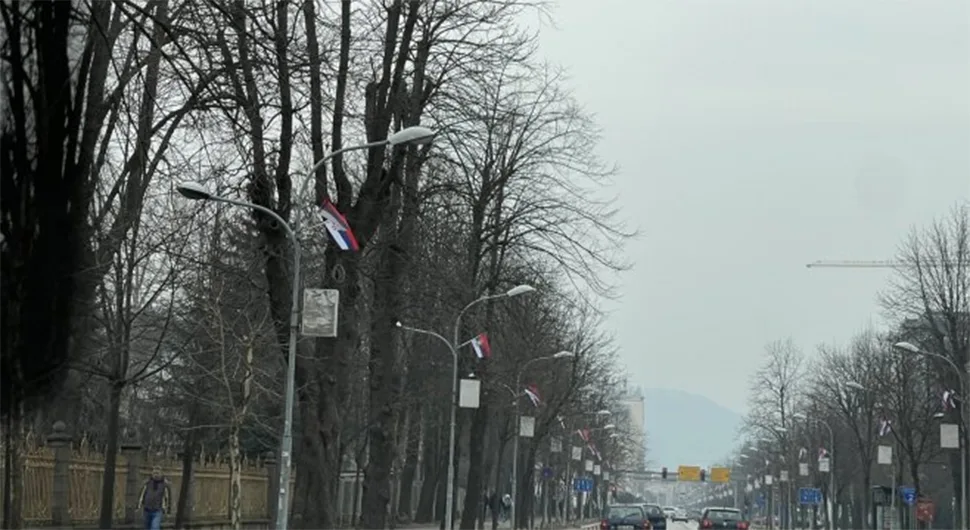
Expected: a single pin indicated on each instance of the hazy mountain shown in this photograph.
(686, 429)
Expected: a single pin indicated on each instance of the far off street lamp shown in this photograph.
(518, 427)
(453, 346)
(912, 349)
(830, 505)
(196, 191)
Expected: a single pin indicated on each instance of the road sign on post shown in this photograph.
(720, 474)
(809, 496)
(909, 494)
(689, 473)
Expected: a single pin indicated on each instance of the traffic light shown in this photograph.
(663, 473)
(703, 475)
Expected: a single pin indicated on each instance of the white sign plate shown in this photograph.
(949, 436)
(885, 455)
(320, 312)
(469, 394)
(555, 444)
(577, 453)
(527, 426)
(824, 465)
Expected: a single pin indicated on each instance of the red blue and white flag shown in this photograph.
(949, 401)
(533, 392)
(338, 227)
(583, 434)
(802, 453)
(885, 427)
(481, 347)
(822, 453)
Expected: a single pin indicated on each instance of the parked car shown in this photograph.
(655, 514)
(722, 519)
(624, 517)
(680, 514)
(669, 512)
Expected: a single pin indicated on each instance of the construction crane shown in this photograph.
(873, 264)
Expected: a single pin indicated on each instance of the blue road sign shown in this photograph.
(909, 494)
(583, 484)
(761, 500)
(809, 496)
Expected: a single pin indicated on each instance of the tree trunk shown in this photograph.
(182, 512)
(384, 388)
(111, 455)
(235, 480)
(405, 499)
(431, 472)
(476, 451)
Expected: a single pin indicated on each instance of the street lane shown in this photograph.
(680, 525)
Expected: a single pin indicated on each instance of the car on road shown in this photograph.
(669, 511)
(680, 515)
(656, 516)
(722, 519)
(624, 517)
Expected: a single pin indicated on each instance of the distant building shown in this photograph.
(632, 426)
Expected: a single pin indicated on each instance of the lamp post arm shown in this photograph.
(465, 309)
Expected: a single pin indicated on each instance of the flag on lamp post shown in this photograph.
(481, 346)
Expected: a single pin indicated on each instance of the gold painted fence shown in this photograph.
(49, 473)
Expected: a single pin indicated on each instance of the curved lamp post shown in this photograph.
(453, 346)
(518, 421)
(830, 509)
(910, 348)
(196, 191)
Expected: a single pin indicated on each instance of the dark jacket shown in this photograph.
(155, 495)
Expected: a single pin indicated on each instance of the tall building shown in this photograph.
(632, 427)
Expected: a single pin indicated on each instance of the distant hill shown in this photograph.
(686, 429)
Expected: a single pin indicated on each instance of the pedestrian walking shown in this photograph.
(155, 499)
(494, 507)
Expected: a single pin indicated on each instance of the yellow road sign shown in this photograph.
(720, 474)
(689, 473)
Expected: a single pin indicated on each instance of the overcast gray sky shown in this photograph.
(755, 136)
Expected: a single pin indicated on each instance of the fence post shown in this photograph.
(60, 441)
(272, 488)
(132, 451)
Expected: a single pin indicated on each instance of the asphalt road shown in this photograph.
(679, 525)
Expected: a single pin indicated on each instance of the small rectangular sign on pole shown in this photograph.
(597, 469)
(469, 393)
(527, 426)
(589, 465)
(783, 476)
(320, 312)
(606, 475)
(577, 453)
(885, 455)
(949, 436)
(555, 444)
(769, 480)
(803, 469)
(824, 465)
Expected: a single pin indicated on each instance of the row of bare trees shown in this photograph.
(129, 312)
(853, 389)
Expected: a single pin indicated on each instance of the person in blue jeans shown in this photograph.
(155, 499)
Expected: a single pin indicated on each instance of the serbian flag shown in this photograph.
(802, 453)
(584, 434)
(481, 347)
(338, 227)
(562, 422)
(885, 427)
(822, 453)
(533, 392)
(949, 403)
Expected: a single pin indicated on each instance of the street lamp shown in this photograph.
(449, 494)
(195, 191)
(831, 504)
(910, 348)
(518, 421)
